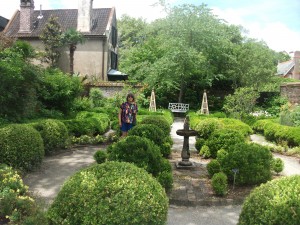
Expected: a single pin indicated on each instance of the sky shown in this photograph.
(277, 22)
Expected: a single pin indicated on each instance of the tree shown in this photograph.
(72, 38)
(51, 38)
(241, 102)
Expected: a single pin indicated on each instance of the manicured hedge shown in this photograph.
(110, 193)
(276, 202)
(88, 123)
(275, 132)
(21, 146)
(54, 134)
(159, 121)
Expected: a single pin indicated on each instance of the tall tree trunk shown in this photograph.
(72, 50)
(181, 91)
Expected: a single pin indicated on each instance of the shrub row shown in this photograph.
(88, 123)
(275, 132)
(23, 146)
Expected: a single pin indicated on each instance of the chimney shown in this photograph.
(296, 72)
(84, 15)
(26, 16)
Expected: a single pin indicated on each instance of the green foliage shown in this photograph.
(58, 91)
(51, 38)
(219, 183)
(159, 121)
(97, 98)
(150, 131)
(223, 139)
(18, 83)
(205, 152)
(199, 143)
(221, 155)
(15, 204)
(276, 202)
(273, 131)
(155, 134)
(213, 167)
(252, 161)
(82, 104)
(110, 193)
(54, 134)
(100, 156)
(277, 165)
(86, 139)
(88, 123)
(207, 126)
(21, 147)
(241, 102)
(24, 48)
(140, 151)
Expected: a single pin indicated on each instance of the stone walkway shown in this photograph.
(191, 187)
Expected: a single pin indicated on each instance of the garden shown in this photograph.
(45, 112)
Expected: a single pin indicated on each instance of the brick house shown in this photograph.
(291, 68)
(97, 57)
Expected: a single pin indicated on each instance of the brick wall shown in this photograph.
(291, 91)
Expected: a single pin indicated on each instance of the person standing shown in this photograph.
(127, 114)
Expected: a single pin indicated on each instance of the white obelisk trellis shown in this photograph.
(204, 106)
(152, 106)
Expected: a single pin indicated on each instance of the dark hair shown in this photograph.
(130, 95)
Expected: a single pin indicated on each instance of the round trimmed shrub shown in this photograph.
(159, 121)
(138, 150)
(155, 134)
(142, 152)
(21, 146)
(110, 193)
(54, 134)
(275, 202)
(219, 183)
(213, 167)
(100, 156)
(223, 139)
(150, 131)
(277, 165)
(253, 162)
(207, 126)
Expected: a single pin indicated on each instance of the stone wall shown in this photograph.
(109, 89)
(291, 91)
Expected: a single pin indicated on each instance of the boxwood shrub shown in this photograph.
(155, 134)
(142, 152)
(275, 202)
(223, 139)
(253, 162)
(88, 123)
(159, 121)
(110, 193)
(219, 183)
(54, 134)
(21, 146)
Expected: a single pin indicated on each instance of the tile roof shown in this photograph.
(285, 67)
(67, 19)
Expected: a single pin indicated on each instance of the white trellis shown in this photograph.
(204, 105)
(152, 106)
